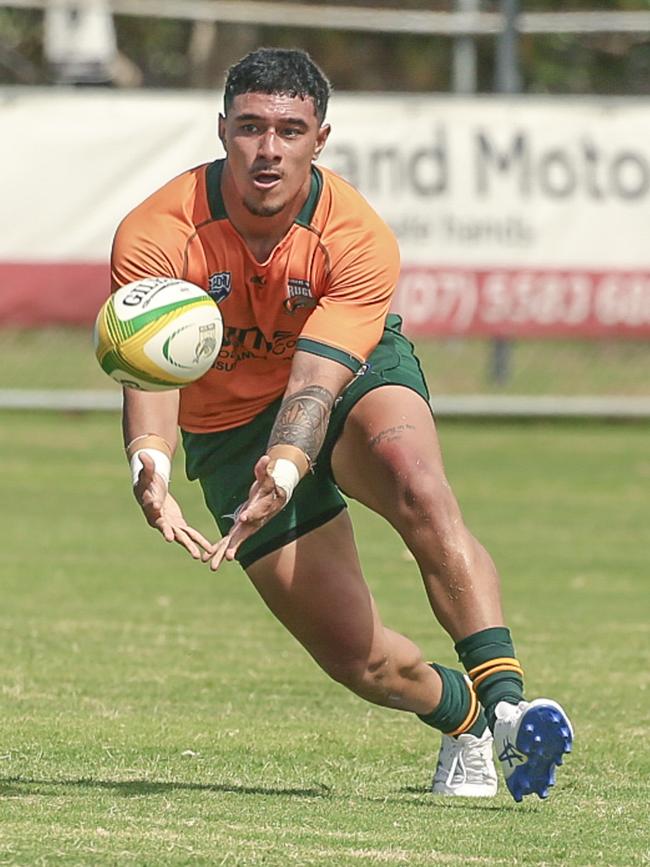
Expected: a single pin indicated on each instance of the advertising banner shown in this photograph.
(515, 216)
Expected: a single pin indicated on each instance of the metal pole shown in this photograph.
(463, 71)
(507, 81)
(507, 78)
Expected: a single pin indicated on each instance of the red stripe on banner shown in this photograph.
(523, 302)
(52, 293)
(434, 301)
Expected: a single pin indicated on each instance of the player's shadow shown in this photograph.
(19, 787)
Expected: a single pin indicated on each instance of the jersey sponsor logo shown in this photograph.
(220, 286)
(299, 295)
(242, 344)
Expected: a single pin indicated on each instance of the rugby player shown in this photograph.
(316, 392)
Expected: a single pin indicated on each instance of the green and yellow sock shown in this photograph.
(489, 658)
(459, 711)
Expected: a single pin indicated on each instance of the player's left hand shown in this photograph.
(264, 501)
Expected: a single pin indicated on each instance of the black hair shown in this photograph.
(278, 70)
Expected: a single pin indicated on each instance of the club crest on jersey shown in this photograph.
(299, 292)
(220, 286)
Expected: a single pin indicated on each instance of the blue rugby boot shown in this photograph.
(530, 739)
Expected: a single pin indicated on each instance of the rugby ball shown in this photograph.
(158, 333)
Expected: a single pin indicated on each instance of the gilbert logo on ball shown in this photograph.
(158, 333)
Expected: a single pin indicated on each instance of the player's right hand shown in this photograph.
(163, 512)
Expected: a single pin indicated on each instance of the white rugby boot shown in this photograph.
(466, 767)
(531, 738)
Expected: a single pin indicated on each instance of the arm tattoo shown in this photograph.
(390, 434)
(302, 420)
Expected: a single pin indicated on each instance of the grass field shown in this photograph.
(155, 714)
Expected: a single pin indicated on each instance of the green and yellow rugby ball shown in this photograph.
(158, 333)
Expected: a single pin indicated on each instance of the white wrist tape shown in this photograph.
(162, 464)
(286, 476)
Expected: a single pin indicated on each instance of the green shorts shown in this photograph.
(223, 461)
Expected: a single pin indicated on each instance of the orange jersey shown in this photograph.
(325, 288)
